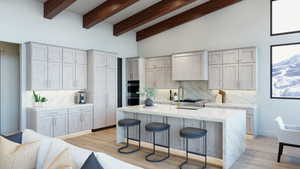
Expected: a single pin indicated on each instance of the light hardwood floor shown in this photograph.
(261, 153)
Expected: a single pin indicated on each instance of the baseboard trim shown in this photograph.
(181, 153)
(103, 128)
(75, 134)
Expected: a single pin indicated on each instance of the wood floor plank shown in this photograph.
(261, 153)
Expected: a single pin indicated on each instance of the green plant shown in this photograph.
(38, 98)
(148, 92)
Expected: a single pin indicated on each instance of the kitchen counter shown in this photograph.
(51, 107)
(226, 129)
(232, 105)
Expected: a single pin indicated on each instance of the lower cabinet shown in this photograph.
(60, 122)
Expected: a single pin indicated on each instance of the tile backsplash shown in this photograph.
(199, 90)
(55, 98)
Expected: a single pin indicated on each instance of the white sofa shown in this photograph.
(79, 155)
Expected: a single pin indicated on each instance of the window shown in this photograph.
(285, 16)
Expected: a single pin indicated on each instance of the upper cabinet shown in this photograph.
(233, 69)
(55, 68)
(132, 69)
(158, 72)
(190, 66)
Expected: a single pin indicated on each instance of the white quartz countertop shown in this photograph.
(231, 105)
(207, 114)
(49, 107)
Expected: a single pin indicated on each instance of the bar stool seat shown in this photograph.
(128, 122)
(194, 133)
(157, 127)
(190, 132)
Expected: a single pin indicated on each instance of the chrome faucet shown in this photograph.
(180, 92)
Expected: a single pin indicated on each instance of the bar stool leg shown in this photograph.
(205, 148)
(154, 151)
(120, 150)
(186, 153)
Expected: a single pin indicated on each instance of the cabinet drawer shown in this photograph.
(52, 113)
(81, 109)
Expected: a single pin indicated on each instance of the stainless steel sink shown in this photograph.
(188, 108)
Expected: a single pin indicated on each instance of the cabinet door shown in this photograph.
(54, 54)
(69, 76)
(54, 75)
(100, 100)
(86, 117)
(75, 123)
(230, 56)
(111, 97)
(150, 79)
(215, 77)
(69, 56)
(215, 58)
(38, 75)
(60, 126)
(247, 55)
(112, 61)
(81, 76)
(81, 57)
(247, 76)
(129, 70)
(38, 52)
(135, 69)
(45, 126)
(230, 76)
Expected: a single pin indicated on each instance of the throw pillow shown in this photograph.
(62, 161)
(92, 163)
(16, 156)
(17, 138)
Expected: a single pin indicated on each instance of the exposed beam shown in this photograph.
(105, 10)
(54, 7)
(194, 13)
(155, 11)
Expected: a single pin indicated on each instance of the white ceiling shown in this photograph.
(84, 6)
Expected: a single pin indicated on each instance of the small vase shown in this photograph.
(149, 102)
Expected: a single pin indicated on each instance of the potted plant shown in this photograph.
(149, 94)
(38, 99)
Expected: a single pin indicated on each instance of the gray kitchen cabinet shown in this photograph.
(46, 126)
(54, 68)
(159, 72)
(215, 77)
(230, 76)
(132, 69)
(60, 127)
(190, 66)
(230, 56)
(247, 76)
(233, 69)
(80, 119)
(102, 87)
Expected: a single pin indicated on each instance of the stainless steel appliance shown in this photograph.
(80, 97)
(132, 97)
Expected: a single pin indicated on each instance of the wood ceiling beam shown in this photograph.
(54, 7)
(155, 11)
(105, 10)
(194, 13)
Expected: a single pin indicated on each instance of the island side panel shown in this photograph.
(176, 141)
(234, 133)
(120, 130)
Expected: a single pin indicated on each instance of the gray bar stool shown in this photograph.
(158, 127)
(129, 123)
(194, 133)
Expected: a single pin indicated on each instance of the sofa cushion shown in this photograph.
(92, 163)
(17, 156)
(63, 159)
(17, 138)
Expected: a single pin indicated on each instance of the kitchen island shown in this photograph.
(226, 129)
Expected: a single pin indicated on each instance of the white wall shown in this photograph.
(244, 24)
(23, 21)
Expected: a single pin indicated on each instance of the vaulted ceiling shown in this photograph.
(145, 17)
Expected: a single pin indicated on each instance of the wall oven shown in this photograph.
(132, 97)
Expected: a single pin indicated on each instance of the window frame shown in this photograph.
(271, 23)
